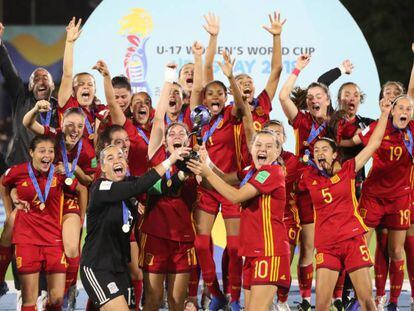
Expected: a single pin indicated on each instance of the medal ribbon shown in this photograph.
(210, 132)
(409, 142)
(142, 134)
(248, 176)
(88, 126)
(315, 132)
(42, 197)
(313, 164)
(46, 121)
(69, 173)
(124, 214)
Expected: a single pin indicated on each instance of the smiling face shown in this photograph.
(120, 139)
(246, 86)
(176, 137)
(73, 125)
(186, 77)
(175, 100)
(122, 98)
(113, 163)
(324, 155)
(317, 101)
(402, 113)
(41, 84)
(265, 150)
(350, 99)
(215, 98)
(141, 106)
(43, 155)
(84, 89)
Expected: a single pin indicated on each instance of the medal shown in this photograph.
(168, 175)
(42, 206)
(91, 136)
(125, 228)
(68, 181)
(42, 198)
(125, 218)
(89, 128)
(305, 158)
(305, 143)
(169, 183)
(70, 172)
(217, 124)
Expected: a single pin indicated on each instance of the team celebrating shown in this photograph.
(149, 188)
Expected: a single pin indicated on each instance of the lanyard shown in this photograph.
(180, 118)
(142, 134)
(409, 143)
(125, 216)
(210, 132)
(69, 173)
(315, 132)
(248, 176)
(46, 121)
(310, 162)
(42, 197)
(89, 128)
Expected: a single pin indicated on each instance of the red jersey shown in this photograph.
(293, 167)
(183, 117)
(392, 166)
(335, 204)
(138, 151)
(37, 227)
(302, 125)
(87, 160)
(262, 231)
(169, 217)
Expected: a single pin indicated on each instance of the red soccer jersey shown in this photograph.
(87, 159)
(183, 117)
(169, 217)
(262, 231)
(302, 125)
(293, 167)
(390, 174)
(336, 214)
(37, 227)
(138, 151)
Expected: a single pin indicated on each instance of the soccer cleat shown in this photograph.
(337, 305)
(380, 302)
(392, 307)
(3, 289)
(217, 303)
(353, 305)
(273, 307)
(72, 294)
(235, 306)
(42, 300)
(282, 306)
(205, 302)
(304, 305)
(19, 301)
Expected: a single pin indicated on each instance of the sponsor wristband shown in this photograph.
(170, 75)
(296, 72)
(166, 164)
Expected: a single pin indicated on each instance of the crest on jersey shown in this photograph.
(113, 289)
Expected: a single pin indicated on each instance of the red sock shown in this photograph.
(225, 271)
(202, 244)
(381, 263)
(396, 279)
(71, 272)
(409, 254)
(194, 281)
(235, 267)
(6, 254)
(282, 294)
(50, 307)
(337, 294)
(28, 308)
(137, 284)
(305, 275)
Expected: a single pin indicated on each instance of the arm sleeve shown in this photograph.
(268, 179)
(11, 76)
(109, 192)
(366, 133)
(330, 76)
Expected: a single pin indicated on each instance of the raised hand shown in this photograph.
(197, 48)
(43, 106)
(101, 67)
(276, 25)
(1, 30)
(302, 61)
(73, 30)
(348, 66)
(227, 64)
(178, 154)
(212, 24)
(170, 73)
(385, 105)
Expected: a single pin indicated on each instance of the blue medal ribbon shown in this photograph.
(125, 217)
(313, 164)
(42, 197)
(409, 143)
(88, 126)
(315, 132)
(69, 173)
(180, 118)
(46, 121)
(248, 176)
(142, 134)
(210, 132)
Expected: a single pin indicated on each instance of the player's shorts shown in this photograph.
(266, 271)
(412, 209)
(165, 256)
(35, 258)
(132, 236)
(305, 207)
(293, 231)
(393, 214)
(103, 286)
(210, 202)
(71, 205)
(349, 255)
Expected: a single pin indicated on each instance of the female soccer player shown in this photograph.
(37, 231)
(263, 239)
(332, 189)
(111, 215)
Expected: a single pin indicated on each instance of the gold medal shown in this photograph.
(305, 158)
(259, 111)
(91, 136)
(68, 181)
(42, 206)
(169, 183)
(305, 143)
(220, 124)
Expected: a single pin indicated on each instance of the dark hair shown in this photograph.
(398, 84)
(39, 139)
(121, 82)
(330, 141)
(361, 94)
(84, 74)
(74, 110)
(298, 96)
(172, 124)
(104, 139)
(223, 86)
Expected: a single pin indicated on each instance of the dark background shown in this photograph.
(388, 26)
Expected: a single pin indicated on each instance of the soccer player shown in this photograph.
(263, 239)
(37, 231)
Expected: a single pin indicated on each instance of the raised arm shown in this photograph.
(197, 89)
(29, 119)
(410, 91)
(288, 106)
(275, 29)
(117, 115)
(332, 75)
(375, 139)
(158, 126)
(213, 28)
(73, 32)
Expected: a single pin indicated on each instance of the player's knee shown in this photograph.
(153, 299)
(323, 304)
(366, 302)
(71, 250)
(396, 252)
(55, 297)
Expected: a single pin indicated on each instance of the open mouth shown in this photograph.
(247, 91)
(119, 170)
(172, 103)
(45, 163)
(261, 158)
(142, 112)
(316, 107)
(85, 95)
(177, 145)
(189, 80)
(403, 119)
(73, 136)
(215, 107)
(351, 106)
